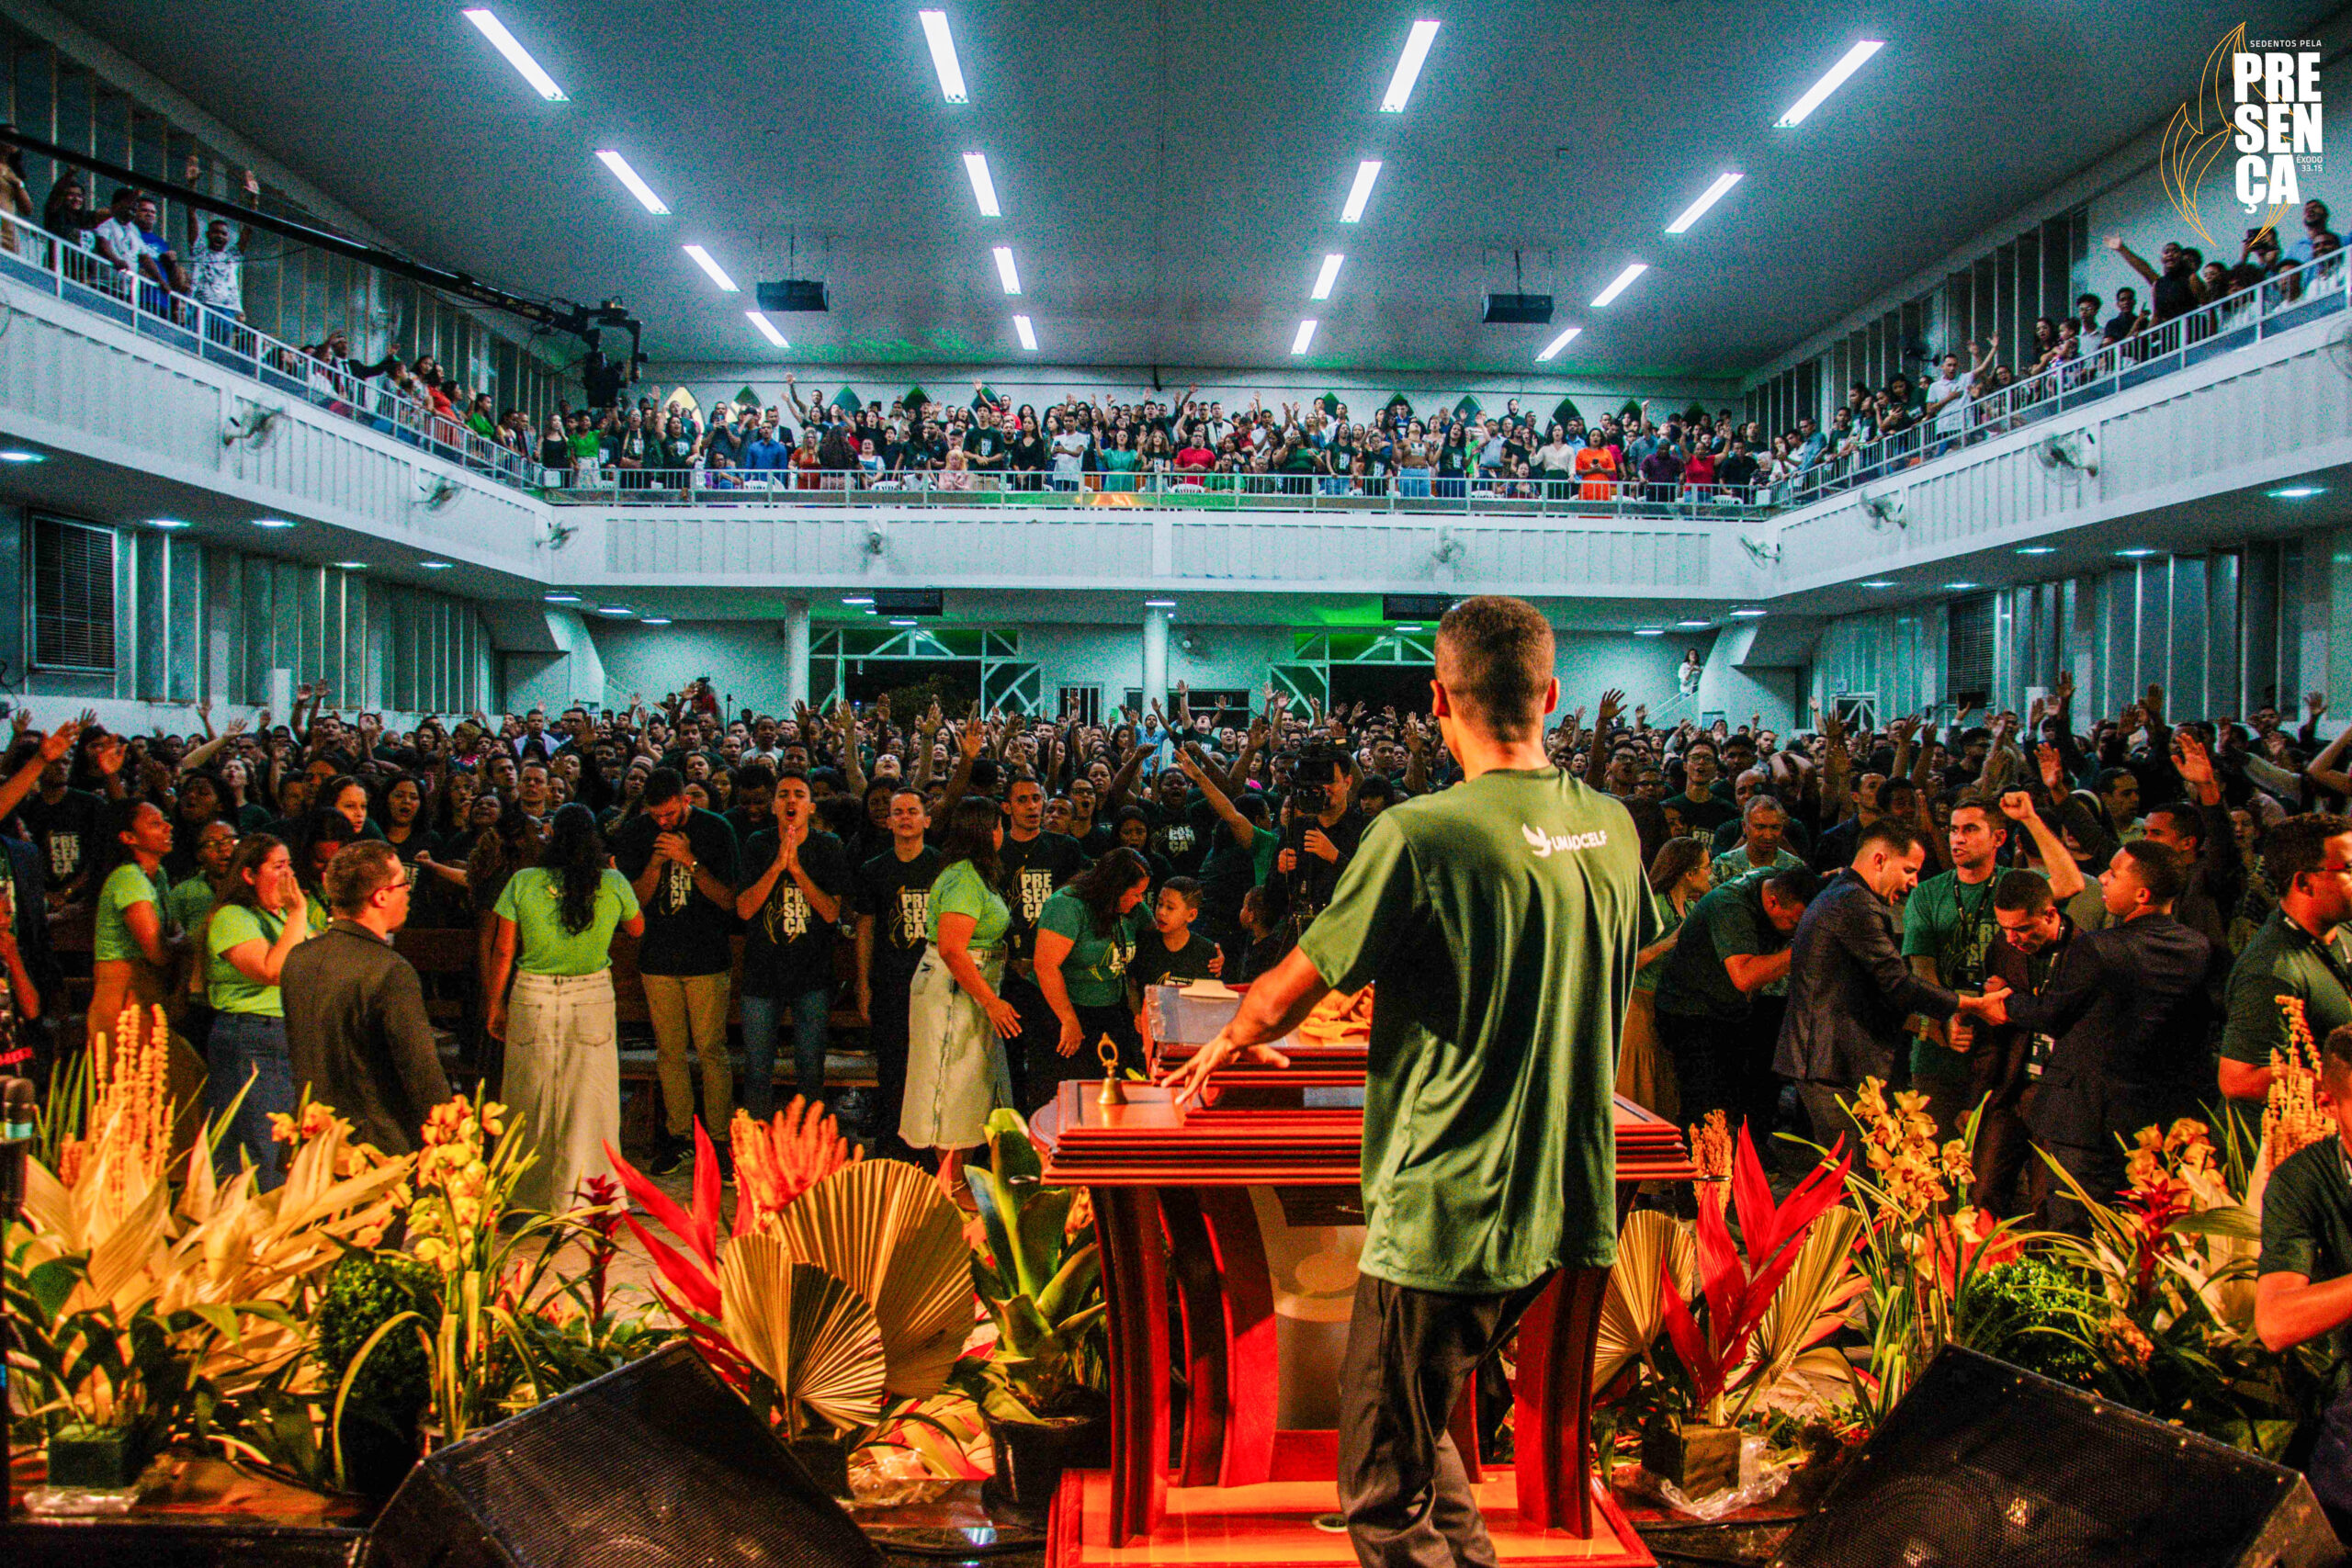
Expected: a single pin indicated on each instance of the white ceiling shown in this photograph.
(1171, 171)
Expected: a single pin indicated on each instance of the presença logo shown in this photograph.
(2260, 100)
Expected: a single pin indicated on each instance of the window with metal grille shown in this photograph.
(1084, 702)
(73, 596)
(1968, 650)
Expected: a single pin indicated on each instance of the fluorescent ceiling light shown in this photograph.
(1409, 66)
(351, 566)
(614, 610)
(1328, 276)
(1159, 604)
(1693, 625)
(628, 176)
(2291, 493)
(767, 328)
(1360, 192)
(857, 599)
(167, 522)
(711, 269)
(562, 597)
(1622, 281)
(2135, 554)
(1698, 209)
(1028, 334)
(1958, 587)
(904, 621)
(943, 56)
(436, 565)
(1649, 631)
(1829, 83)
(1552, 349)
(517, 55)
(1748, 614)
(272, 523)
(17, 455)
(1004, 270)
(1408, 627)
(1878, 582)
(983, 187)
(1305, 335)
(656, 621)
(2036, 549)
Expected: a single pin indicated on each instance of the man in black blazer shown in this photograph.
(356, 1026)
(1849, 985)
(2129, 1007)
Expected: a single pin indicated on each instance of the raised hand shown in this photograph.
(2018, 806)
(1612, 702)
(2155, 704)
(2054, 776)
(2192, 761)
(2317, 704)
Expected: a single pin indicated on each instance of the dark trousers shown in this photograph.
(2101, 1171)
(1048, 1068)
(1402, 1487)
(1703, 1052)
(2329, 1469)
(885, 1033)
(1033, 1054)
(1756, 1088)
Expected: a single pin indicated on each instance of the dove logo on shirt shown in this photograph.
(1544, 846)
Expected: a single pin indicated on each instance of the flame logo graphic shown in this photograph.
(2196, 135)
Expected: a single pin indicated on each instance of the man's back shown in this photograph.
(2131, 1008)
(357, 1036)
(1849, 989)
(1502, 918)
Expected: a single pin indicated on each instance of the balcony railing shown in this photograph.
(31, 255)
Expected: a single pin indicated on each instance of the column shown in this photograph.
(796, 653)
(1155, 655)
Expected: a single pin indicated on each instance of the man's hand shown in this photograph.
(2317, 704)
(674, 846)
(1186, 1082)
(2053, 769)
(2195, 766)
(2018, 806)
(1991, 1007)
(1612, 702)
(2154, 703)
(1321, 847)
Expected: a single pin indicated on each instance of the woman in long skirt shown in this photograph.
(1679, 876)
(563, 1074)
(956, 1021)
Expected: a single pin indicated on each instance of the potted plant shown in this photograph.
(1042, 1388)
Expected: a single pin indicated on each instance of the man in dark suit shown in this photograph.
(356, 1026)
(1850, 987)
(2129, 1007)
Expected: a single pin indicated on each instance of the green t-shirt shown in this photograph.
(1728, 922)
(1733, 864)
(1502, 918)
(2307, 1230)
(1951, 921)
(1669, 920)
(126, 887)
(233, 925)
(961, 890)
(1095, 972)
(2284, 960)
(189, 901)
(533, 899)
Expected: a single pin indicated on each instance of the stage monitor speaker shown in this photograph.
(1982, 1465)
(657, 1466)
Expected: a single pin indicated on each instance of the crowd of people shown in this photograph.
(2082, 925)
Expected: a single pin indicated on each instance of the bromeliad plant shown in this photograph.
(1042, 1280)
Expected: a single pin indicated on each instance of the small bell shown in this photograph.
(1114, 1092)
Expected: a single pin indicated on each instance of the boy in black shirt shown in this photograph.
(1176, 955)
(893, 912)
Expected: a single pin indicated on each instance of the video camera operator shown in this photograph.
(1320, 830)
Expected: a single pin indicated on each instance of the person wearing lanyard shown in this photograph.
(1947, 931)
(259, 916)
(1087, 936)
(2302, 1288)
(2300, 952)
(562, 1083)
(957, 1021)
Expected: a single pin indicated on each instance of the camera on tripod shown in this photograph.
(1312, 769)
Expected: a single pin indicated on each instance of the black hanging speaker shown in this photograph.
(657, 1466)
(1982, 1465)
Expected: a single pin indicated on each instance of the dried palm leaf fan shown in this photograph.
(814, 1337)
(1633, 1311)
(883, 1227)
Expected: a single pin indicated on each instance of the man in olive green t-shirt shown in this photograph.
(2300, 952)
(2303, 1287)
(1502, 918)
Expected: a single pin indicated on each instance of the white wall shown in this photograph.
(554, 680)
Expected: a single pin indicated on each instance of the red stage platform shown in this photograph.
(1171, 1190)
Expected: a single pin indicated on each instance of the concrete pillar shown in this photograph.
(796, 653)
(1155, 655)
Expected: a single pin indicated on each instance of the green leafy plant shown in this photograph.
(2033, 1314)
(1042, 1280)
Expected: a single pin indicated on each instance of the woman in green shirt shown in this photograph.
(555, 923)
(956, 1021)
(260, 915)
(1086, 937)
(133, 941)
(1680, 876)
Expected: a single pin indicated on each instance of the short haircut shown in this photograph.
(662, 786)
(1495, 660)
(783, 774)
(2335, 1054)
(2187, 820)
(1762, 801)
(2162, 870)
(358, 872)
(755, 775)
(2025, 891)
(1980, 800)
(1895, 837)
(2298, 846)
(2109, 776)
(1799, 885)
(1184, 887)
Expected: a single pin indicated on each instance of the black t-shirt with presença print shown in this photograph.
(787, 948)
(1031, 871)
(685, 934)
(897, 893)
